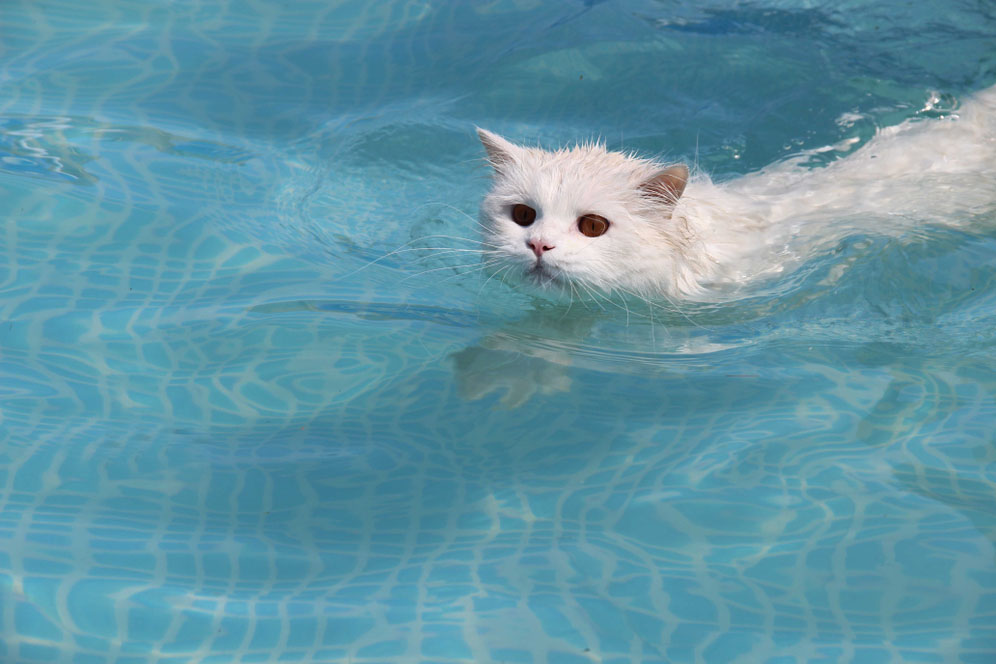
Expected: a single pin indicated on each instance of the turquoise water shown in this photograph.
(228, 435)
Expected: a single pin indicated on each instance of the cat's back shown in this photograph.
(923, 169)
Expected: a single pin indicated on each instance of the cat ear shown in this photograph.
(500, 152)
(668, 185)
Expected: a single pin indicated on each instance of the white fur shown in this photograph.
(717, 236)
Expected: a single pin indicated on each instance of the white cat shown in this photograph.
(586, 218)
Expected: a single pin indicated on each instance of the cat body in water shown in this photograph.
(585, 218)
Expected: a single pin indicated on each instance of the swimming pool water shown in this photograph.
(238, 426)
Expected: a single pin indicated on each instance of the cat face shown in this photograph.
(582, 216)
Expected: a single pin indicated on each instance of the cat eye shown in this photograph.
(523, 215)
(593, 225)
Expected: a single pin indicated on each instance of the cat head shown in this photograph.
(582, 216)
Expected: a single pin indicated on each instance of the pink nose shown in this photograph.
(538, 247)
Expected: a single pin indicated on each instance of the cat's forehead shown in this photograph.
(586, 171)
(587, 159)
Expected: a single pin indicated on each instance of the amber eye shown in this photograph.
(523, 215)
(593, 225)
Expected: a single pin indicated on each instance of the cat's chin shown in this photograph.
(543, 275)
(538, 279)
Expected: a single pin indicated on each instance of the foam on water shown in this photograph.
(234, 426)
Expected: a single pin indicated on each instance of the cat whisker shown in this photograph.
(450, 250)
(686, 316)
(446, 267)
(444, 262)
(578, 293)
(438, 251)
(653, 336)
(487, 248)
(630, 313)
(626, 307)
(670, 301)
(578, 288)
(459, 211)
(650, 311)
(494, 274)
(504, 276)
(594, 295)
(378, 259)
(675, 306)
(455, 237)
(597, 296)
(465, 272)
(571, 294)
(441, 258)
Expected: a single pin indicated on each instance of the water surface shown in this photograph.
(234, 426)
